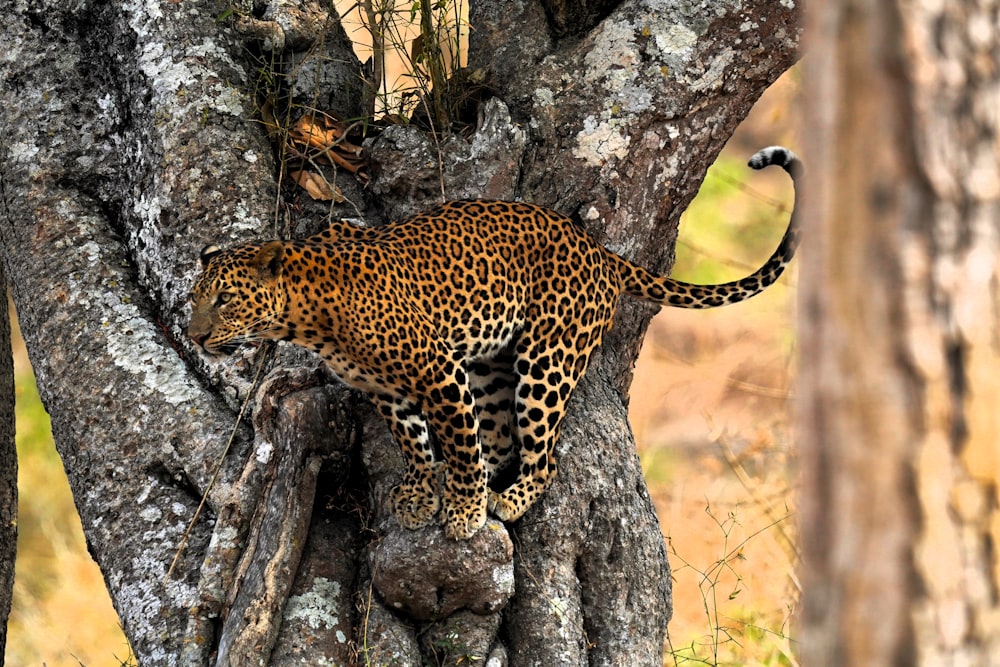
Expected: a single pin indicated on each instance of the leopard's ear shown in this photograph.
(269, 260)
(207, 253)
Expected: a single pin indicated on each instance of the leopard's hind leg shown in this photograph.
(548, 368)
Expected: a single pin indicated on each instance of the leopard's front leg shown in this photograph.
(451, 413)
(435, 398)
(415, 500)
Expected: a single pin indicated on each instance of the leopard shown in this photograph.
(468, 325)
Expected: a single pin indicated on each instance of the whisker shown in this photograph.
(254, 336)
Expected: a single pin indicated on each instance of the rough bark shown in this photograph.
(899, 317)
(135, 145)
(8, 466)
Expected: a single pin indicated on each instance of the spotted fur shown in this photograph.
(469, 325)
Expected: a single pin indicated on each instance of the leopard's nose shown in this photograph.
(199, 338)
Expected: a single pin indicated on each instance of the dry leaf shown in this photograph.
(270, 122)
(312, 133)
(320, 138)
(318, 187)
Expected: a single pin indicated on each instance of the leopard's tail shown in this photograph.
(642, 284)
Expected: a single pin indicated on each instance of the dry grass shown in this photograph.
(714, 440)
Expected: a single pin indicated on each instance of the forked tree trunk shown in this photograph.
(900, 313)
(129, 142)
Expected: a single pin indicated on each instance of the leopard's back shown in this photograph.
(482, 270)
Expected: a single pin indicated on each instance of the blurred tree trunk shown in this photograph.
(899, 388)
(8, 466)
(129, 142)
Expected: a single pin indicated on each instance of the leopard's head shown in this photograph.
(239, 297)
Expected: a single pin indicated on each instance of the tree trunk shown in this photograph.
(898, 407)
(130, 144)
(8, 466)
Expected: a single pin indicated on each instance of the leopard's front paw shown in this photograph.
(461, 521)
(414, 506)
(464, 510)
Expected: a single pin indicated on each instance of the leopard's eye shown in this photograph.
(224, 298)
